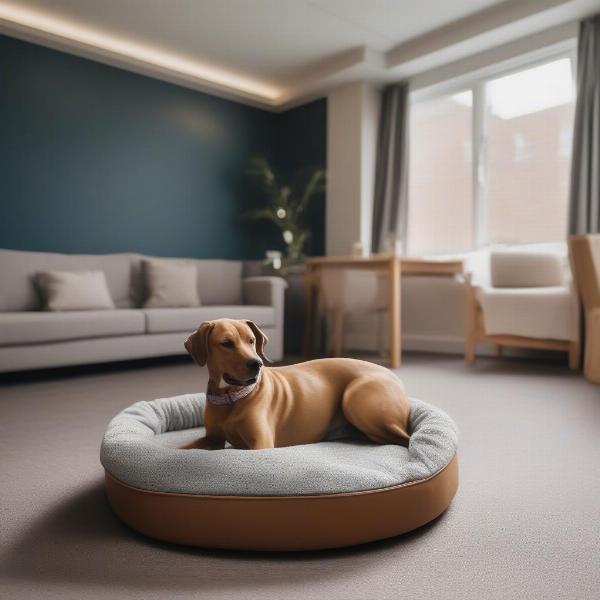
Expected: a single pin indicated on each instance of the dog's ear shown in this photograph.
(197, 343)
(261, 341)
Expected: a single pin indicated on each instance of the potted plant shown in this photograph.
(286, 208)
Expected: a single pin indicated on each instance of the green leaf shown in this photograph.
(315, 185)
(259, 214)
(260, 169)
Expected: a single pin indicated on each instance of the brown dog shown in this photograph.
(252, 406)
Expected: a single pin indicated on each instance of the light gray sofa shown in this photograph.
(31, 338)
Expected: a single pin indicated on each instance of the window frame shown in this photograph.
(476, 83)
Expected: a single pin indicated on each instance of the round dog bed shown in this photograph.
(342, 491)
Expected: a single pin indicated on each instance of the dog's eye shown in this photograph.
(227, 344)
(251, 341)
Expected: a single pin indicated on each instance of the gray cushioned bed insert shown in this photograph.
(139, 448)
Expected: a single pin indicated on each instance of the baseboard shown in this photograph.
(443, 344)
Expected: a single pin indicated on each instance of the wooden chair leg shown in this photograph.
(574, 356)
(382, 349)
(591, 368)
(469, 352)
(470, 322)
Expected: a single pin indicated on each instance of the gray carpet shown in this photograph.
(525, 523)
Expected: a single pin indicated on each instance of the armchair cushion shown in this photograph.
(535, 312)
(518, 268)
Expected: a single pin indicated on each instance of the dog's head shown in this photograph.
(232, 350)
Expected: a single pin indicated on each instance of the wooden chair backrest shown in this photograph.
(584, 252)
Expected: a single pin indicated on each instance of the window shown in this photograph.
(514, 187)
(529, 119)
(440, 180)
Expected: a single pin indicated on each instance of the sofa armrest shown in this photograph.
(266, 291)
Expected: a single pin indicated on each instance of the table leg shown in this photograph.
(394, 312)
(471, 332)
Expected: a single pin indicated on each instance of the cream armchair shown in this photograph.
(585, 260)
(530, 303)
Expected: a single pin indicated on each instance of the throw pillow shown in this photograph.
(74, 290)
(169, 284)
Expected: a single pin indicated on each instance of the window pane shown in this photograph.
(529, 119)
(440, 178)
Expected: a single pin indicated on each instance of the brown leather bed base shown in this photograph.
(284, 522)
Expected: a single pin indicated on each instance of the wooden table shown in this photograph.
(393, 266)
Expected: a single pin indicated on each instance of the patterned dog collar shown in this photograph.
(231, 396)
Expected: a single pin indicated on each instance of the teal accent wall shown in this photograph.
(304, 147)
(300, 147)
(96, 159)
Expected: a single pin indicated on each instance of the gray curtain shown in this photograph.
(584, 214)
(390, 203)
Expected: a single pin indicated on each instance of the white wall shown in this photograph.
(352, 117)
(371, 104)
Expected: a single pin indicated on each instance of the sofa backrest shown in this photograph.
(18, 269)
(219, 281)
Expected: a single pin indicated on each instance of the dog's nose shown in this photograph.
(254, 365)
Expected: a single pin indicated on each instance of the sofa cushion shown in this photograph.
(219, 281)
(164, 320)
(18, 269)
(542, 312)
(41, 327)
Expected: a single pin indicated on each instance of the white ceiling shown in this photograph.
(275, 52)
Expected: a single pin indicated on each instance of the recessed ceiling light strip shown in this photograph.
(139, 52)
